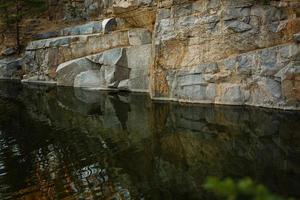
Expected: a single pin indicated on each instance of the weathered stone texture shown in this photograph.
(229, 52)
(47, 54)
(118, 68)
(203, 51)
(85, 29)
(255, 78)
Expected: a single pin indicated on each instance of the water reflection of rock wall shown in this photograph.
(166, 150)
(232, 141)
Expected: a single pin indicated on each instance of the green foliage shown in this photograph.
(244, 189)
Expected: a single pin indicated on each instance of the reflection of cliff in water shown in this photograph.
(104, 144)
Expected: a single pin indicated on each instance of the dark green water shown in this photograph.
(62, 143)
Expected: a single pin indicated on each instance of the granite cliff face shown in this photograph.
(227, 52)
(206, 51)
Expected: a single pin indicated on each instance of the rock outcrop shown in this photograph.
(227, 52)
(118, 68)
(93, 56)
(212, 51)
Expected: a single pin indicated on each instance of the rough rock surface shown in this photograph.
(46, 55)
(88, 79)
(211, 51)
(254, 78)
(8, 51)
(123, 68)
(227, 52)
(85, 29)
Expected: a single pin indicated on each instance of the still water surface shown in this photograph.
(64, 143)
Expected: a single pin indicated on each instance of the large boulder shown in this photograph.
(118, 68)
(111, 65)
(67, 72)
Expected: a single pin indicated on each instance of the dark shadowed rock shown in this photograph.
(46, 35)
(9, 68)
(297, 37)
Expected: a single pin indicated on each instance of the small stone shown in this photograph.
(8, 51)
(245, 64)
(187, 21)
(230, 63)
(124, 85)
(232, 94)
(207, 68)
(268, 62)
(163, 13)
(207, 19)
(234, 13)
(289, 72)
(237, 26)
(269, 88)
(212, 4)
(182, 10)
(46, 35)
